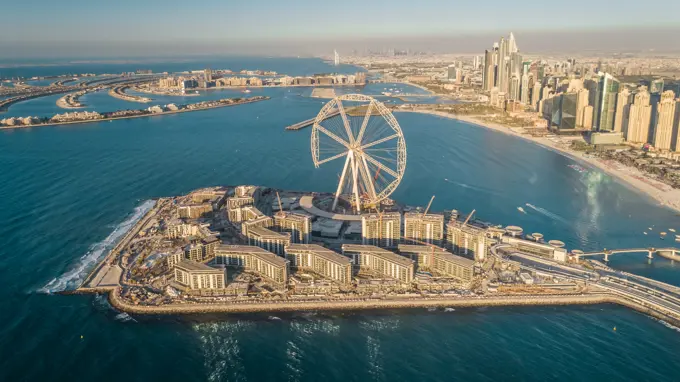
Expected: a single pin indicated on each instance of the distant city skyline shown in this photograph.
(309, 27)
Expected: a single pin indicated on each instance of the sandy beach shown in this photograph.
(631, 177)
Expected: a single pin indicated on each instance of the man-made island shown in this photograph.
(93, 116)
(253, 249)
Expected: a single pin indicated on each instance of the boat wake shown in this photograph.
(547, 213)
(72, 278)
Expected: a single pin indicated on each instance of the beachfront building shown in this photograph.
(202, 250)
(254, 259)
(322, 261)
(439, 261)
(381, 262)
(381, 229)
(261, 221)
(427, 228)
(466, 239)
(239, 201)
(195, 211)
(298, 225)
(267, 239)
(198, 276)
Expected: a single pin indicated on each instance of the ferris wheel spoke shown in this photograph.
(381, 166)
(345, 122)
(379, 141)
(366, 175)
(369, 110)
(334, 157)
(332, 136)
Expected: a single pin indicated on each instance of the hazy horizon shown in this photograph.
(76, 28)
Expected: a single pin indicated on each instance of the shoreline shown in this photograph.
(376, 304)
(667, 197)
(129, 116)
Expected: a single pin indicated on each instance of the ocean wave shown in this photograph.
(222, 350)
(73, 277)
(666, 324)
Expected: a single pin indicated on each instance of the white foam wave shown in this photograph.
(666, 324)
(547, 213)
(73, 277)
(124, 317)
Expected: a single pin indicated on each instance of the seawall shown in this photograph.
(370, 304)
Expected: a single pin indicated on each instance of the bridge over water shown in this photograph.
(670, 252)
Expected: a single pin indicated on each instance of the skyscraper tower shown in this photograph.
(640, 117)
(536, 95)
(609, 89)
(623, 102)
(336, 58)
(489, 72)
(663, 138)
(512, 44)
(502, 69)
(524, 91)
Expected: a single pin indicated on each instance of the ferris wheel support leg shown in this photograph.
(342, 181)
(355, 171)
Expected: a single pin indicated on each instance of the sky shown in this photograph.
(48, 27)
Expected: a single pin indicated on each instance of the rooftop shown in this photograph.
(377, 251)
(318, 250)
(267, 233)
(192, 266)
(252, 250)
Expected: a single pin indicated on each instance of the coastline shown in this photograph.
(662, 193)
(377, 304)
(129, 116)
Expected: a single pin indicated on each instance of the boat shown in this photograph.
(645, 232)
(672, 229)
(663, 234)
(247, 91)
(650, 228)
(520, 209)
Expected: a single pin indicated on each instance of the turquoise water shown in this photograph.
(66, 191)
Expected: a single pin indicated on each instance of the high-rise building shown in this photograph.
(524, 91)
(379, 261)
(514, 88)
(583, 120)
(451, 72)
(423, 228)
(336, 58)
(512, 44)
(298, 225)
(663, 139)
(489, 79)
(656, 86)
(536, 95)
(268, 239)
(609, 89)
(475, 62)
(594, 97)
(439, 260)
(381, 229)
(493, 97)
(465, 239)
(208, 75)
(640, 117)
(503, 81)
(623, 102)
(323, 261)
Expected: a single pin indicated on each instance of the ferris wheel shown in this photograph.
(364, 132)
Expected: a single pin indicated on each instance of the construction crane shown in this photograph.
(468, 218)
(417, 233)
(280, 213)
